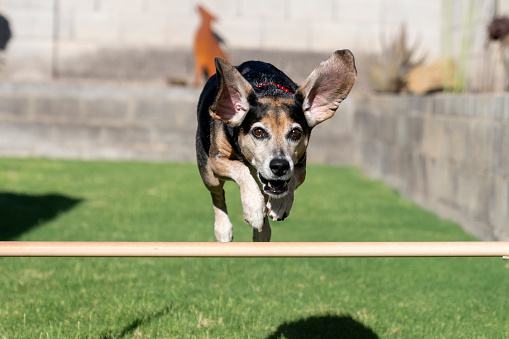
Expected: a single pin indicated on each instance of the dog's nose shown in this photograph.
(279, 166)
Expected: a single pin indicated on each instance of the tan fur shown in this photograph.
(278, 125)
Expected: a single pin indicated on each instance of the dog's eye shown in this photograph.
(259, 132)
(295, 133)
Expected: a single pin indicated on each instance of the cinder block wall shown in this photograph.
(449, 154)
(153, 39)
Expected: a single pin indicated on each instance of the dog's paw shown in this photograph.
(223, 231)
(279, 209)
(254, 210)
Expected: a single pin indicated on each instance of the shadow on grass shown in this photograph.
(131, 327)
(21, 212)
(328, 326)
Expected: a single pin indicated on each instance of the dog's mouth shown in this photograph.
(274, 187)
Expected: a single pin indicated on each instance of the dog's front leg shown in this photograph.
(253, 202)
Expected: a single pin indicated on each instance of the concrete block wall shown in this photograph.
(29, 53)
(67, 38)
(449, 154)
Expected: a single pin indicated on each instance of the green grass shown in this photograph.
(231, 298)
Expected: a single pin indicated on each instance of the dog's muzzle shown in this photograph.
(274, 187)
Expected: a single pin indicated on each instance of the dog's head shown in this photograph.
(274, 130)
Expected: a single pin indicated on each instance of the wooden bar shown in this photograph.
(248, 249)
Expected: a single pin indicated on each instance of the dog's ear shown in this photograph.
(327, 86)
(231, 104)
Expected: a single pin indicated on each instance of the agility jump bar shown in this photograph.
(253, 250)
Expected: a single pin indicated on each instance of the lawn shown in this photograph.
(231, 298)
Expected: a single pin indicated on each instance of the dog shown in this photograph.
(254, 125)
